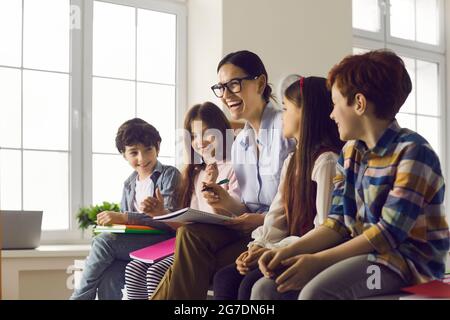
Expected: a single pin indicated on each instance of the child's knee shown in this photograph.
(264, 289)
(132, 266)
(103, 239)
(315, 292)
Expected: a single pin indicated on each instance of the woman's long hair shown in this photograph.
(318, 134)
(212, 117)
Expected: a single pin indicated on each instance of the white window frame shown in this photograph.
(80, 167)
(50, 235)
(422, 51)
(440, 48)
(385, 30)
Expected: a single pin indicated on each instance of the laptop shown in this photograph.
(20, 229)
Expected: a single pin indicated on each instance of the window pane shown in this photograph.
(114, 41)
(416, 20)
(410, 104)
(156, 105)
(10, 32)
(109, 173)
(46, 187)
(428, 127)
(427, 88)
(46, 34)
(10, 180)
(45, 110)
(113, 103)
(366, 15)
(156, 46)
(406, 121)
(427, 24)
(403, 19)
(10, 109)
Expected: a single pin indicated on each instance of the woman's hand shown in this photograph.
(216, 196)
(107, 218)
(248, 260)
(301, 269)
(246, 222)
(153, 206)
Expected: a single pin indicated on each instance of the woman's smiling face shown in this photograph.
(239, 103)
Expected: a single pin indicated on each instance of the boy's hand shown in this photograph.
(212, 172)
(107, 218)
(153, 206)
(301, 269)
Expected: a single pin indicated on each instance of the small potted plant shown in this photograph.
(87, 216)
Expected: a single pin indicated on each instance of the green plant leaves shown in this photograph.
(87, 216)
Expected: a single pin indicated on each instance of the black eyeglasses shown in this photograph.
(234, 85)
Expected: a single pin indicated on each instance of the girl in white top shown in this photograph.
(207, 163)
(304, 193)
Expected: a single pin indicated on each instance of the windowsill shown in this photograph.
(49, 251)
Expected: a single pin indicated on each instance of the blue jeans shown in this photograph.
(104, 269)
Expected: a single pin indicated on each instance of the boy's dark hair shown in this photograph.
(379, 75)
(137, 131)
(252, 64)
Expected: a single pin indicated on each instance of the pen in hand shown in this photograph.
(219, 183)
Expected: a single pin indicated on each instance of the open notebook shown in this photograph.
(192, 215)
(155, 252)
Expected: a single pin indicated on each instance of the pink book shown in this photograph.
(155, 252)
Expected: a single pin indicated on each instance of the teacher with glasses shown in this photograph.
(258, 153)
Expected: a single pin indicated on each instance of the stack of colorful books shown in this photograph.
(127, 228)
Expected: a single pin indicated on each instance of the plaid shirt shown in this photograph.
(393, 194)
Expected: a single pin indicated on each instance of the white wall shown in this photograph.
(204, 48)
(290, 36)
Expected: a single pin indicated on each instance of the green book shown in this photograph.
(131, 229)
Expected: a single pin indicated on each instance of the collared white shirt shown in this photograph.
(259, 177)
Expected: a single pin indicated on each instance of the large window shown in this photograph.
(34, 108)
(414, 29)
(71, 71)
(134, 60)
